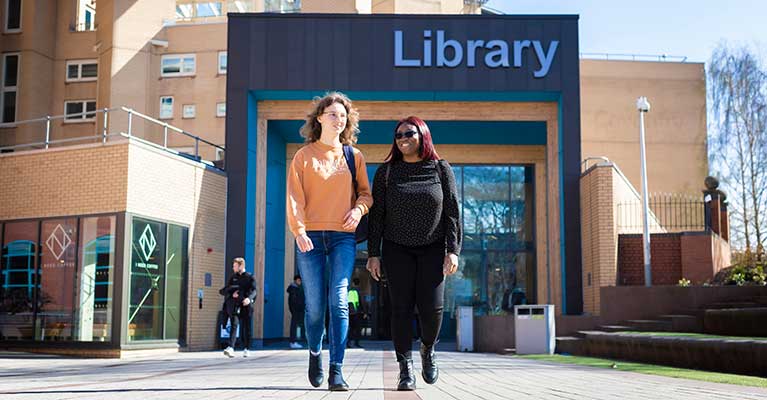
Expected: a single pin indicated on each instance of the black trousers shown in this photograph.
(243, 319)
(296, 320)
(415, 278)
(355, 327)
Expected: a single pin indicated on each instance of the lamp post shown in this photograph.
(643, 106)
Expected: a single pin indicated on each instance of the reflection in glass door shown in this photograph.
(497, 263)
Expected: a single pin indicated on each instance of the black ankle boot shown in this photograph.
(316, 375)
(429, 370)
(336, 382)
(406, 372)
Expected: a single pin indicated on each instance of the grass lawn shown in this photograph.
(671, 372)
(694, 335)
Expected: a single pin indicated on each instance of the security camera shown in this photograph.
(643, 105)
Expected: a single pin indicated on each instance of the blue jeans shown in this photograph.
(326, 271)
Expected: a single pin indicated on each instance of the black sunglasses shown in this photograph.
(407, 134)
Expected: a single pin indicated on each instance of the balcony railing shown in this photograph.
(129, 133)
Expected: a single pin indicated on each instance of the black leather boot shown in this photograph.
(429, 370)
(316, 375)
(406, 372)
(336, 382)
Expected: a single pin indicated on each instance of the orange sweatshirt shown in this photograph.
(320, 190)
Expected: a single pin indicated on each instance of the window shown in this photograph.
(158, 269)
(58, 266)
(82, 70)
(79, 111)
(166, 107)
(188, 111)
(221, 109)
(178, 65)
(12, 16)
(282, 6)
(222, 55)
(95, 278)
(86, 15)
(9, 88)
(18, 277)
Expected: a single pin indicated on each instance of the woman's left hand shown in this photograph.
(450, 265)
(352, 218)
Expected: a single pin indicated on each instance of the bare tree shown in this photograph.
(738, 139)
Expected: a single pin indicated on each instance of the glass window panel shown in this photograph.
(189, 111)
(209, 9)
(166, 107)
(90, 106)
(486, 206)
(95, 279)
(188, 65)
(73, 110)
(13, 20)
(9, 106)
(184, 11)
(171, 66)
(222, 60)
(220, 109)
(73, 71)
(177, 264)
(55, 299)
(147, 284)
(11, 71)
(17, 280)
(90, 70)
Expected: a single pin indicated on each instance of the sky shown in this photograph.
(685, 28)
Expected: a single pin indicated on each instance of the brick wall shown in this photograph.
(665, 256)
(64, 181)
(603, 187)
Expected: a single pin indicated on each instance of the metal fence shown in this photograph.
(673, 212)
(194, 152)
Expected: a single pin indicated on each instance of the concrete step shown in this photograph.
(695, 312)
(683, 323)
(731, 304)
(615, 328)
(650, 325)
(568, 345)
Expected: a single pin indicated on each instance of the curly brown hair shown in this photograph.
(312, 130)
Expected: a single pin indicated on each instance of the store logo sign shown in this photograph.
(58, 242)
(147, 243)
(494, 53)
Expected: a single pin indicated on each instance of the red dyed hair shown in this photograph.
(426, 149)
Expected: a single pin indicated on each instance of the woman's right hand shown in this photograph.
(304, 243)
(374, 267)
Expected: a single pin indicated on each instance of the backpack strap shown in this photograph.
(349, 156)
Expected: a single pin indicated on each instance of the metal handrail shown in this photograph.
(585, 162)
(634, 57)
(104, 134)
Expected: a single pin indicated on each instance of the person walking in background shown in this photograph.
(239, 293)
(297, 306)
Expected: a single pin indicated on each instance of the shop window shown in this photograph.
(159, 261)
(18, 280)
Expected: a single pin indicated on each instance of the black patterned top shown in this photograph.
(417, 205)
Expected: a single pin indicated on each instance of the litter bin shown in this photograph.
(534, 331)
(465, 328)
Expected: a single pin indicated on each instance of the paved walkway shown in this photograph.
(371, 372)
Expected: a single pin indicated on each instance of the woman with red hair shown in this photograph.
(414, 226)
